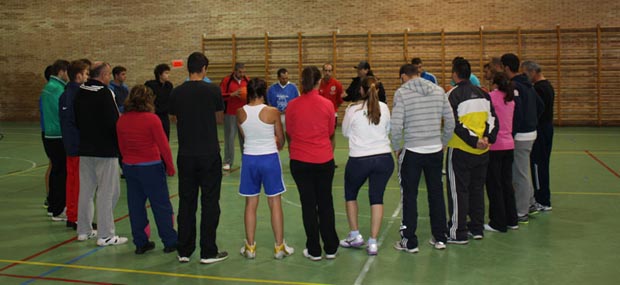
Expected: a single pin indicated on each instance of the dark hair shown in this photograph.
(239, 65)
(462, 68)
(96, 70)
(511, 60)
(505, 85)
(456, 59)
(160, 69)
(409, 70)
(118, 70)
(58, 66)
(310, 76)
(76, 67)
(371, 98)
(47, 72)
(196, 61)
(416, 61)
(487, 65)
(282, 71)
(257, 88)
(86, 60)
(140, 99)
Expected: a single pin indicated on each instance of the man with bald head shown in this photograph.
(96, 114)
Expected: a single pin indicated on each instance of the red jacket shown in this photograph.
(229, 85)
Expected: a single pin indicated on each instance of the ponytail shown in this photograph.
(500, 79)
(371, 99)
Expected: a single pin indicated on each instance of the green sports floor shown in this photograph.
(576, 243)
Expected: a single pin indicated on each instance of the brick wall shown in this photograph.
(141, 34)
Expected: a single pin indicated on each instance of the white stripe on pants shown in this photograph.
(521, 176)
(98, 175)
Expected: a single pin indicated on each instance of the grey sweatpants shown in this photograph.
(521, 176)
(98, 175)
(230, 132)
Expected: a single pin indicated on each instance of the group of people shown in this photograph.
(488, 138)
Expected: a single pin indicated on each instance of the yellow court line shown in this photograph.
(22, 171)
(168, 274)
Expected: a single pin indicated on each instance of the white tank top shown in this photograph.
(259, 136)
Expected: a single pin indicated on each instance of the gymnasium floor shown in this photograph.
(574, 244)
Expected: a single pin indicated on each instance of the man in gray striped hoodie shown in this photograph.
(419, 107)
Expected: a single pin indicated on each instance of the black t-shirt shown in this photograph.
(162, 95)
(194, 103)
(547, 94)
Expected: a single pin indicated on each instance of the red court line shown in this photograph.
(67, 241)
(602, 163)
(55, 279)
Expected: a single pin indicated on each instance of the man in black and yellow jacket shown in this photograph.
(466, 163)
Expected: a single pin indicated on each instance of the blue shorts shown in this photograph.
(261, 169)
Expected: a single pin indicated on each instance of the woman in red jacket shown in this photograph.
(143, 145)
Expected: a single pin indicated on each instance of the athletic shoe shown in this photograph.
(282, 251)
(372, 249)
(72, 225)
(331, 255)
(515, 227)
(542, 208)
(222, 255)
(113, 240)
(352, 241)
(456, 241)
(88, 236)
(488, 228)
(398, 245)
(226, 167)
(308, 256)
(248, 251)
(60, 218)
(437, 244)
(525, 219)
(533, 210)
(475, 236)
(169, 249)
(49, 214)
(143, 249)
(45, 204)
(183, 259)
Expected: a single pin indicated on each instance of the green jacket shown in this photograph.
(49, 103)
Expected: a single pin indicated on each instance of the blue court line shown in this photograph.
(68, 262)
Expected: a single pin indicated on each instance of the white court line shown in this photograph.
(32, 166)
(371, 260)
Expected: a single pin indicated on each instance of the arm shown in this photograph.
(448, 121)
(397, 121)
(219, 107)
(158, 135)
(492, 123)
(461, 130)
(278, 130)
(241, 116)
(381, 92)
(346, 122)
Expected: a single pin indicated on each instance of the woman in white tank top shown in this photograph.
(261, 128)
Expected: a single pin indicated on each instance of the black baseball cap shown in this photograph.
(362, 65)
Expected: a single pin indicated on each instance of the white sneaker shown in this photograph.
(398, 245)
(226, 167)
(331, 256)
(308, 256)
(352, 241)
(282, 251)
(488, 228)
(437, 244)
(113, 240)
(542, 208)
(248, 250)
(88, 236)
(372, 249)
(183, 259)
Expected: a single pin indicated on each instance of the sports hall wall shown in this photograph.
(141, 34)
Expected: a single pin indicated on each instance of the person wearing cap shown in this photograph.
(353, 92)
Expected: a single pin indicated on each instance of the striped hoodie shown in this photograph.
(419, 106)
(475, 117)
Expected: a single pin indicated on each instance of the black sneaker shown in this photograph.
(457, 241)
(533, 210)
(525, 219)
(169, 249)
(143, 249)
(45, 204)
(72, 225)
(222, 255)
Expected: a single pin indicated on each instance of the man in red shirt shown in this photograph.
(234, 90)
(331, 89)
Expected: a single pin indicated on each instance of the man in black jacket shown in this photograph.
(96, 114)
(528, 108)
(353, 92)
(162, 88)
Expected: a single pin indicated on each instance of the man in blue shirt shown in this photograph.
(416, 61)
(281, 92)
(118, 86)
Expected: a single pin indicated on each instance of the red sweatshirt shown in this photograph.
(230, 85)
(141, 139)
